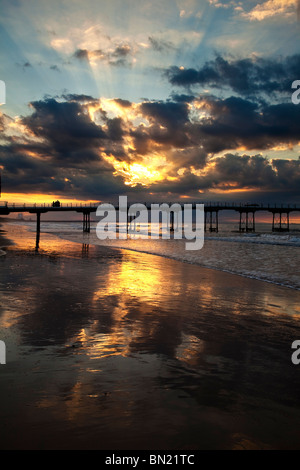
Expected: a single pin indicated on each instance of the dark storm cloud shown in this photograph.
(64, 125)
(239, 171)
(257, 172)
(288, 173)
(115, 130)
(169, 114)
(167, 126)
(193, 156)
(235, 122)
(182, 98)
(123, 103)
(247, 77)
(65, 154)
(244, 170)
(15, 159)
(168, 121)
(228, 124)
(69, 134)
(23, 173)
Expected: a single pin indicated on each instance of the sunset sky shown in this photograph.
(156, 100)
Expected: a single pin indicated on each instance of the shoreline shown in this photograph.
(4, 241)
(186, 261)
(193, 263)
(63, 236)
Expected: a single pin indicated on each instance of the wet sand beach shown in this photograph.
(113, 349)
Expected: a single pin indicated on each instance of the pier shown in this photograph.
(280, 213)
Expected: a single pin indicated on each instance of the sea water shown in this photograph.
(264, 255)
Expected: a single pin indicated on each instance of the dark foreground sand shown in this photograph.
(111, 349)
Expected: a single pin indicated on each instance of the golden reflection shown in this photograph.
(127, 283)
(244, 442)
(168, 319)
(137, 279)
(48, 243)
(99, 346)
(11, 317)
(190, 349)
(72, 404)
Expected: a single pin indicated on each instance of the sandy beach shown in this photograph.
(114, 349)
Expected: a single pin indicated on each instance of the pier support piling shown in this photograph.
(38, 230)
(247, 221)
(87, 222)
(281, 221)
(211, 219)
(172, 221)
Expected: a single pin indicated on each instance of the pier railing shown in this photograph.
(219, 205)
(247, 211)
(70, 205)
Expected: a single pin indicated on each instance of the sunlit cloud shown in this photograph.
(272, 8)
(230, 4)
(63, 45)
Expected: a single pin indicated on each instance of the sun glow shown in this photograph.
(145, 173)
(113, 108)
(40, 199)
(141, 170)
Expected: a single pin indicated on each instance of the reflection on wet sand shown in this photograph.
(114, 349)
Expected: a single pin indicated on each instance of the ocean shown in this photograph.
(267, 256)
